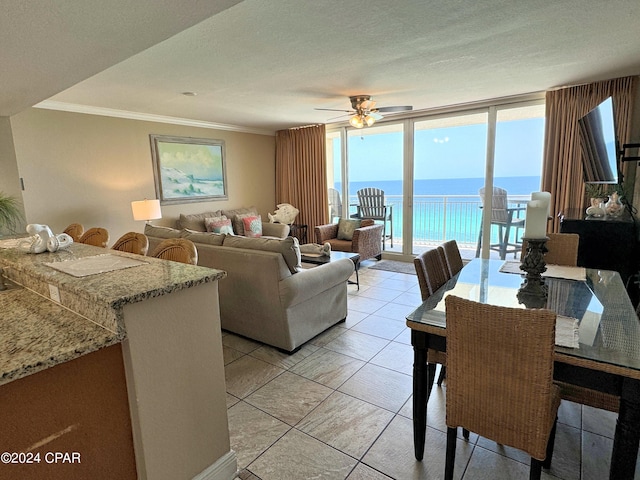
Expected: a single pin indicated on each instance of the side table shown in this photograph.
(299, 231)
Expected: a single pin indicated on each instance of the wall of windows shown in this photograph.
(431, 167)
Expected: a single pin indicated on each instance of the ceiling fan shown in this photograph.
(364, 111)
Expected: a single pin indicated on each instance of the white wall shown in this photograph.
(87, 169)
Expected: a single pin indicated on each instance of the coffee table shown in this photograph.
(354, 257)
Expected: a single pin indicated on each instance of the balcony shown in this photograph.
(437, 218)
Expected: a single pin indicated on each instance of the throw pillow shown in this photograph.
(238, 221)
(209, 222)
(220, 226)
(346, 228)
(252, 226)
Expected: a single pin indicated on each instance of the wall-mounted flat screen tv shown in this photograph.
(598, 144)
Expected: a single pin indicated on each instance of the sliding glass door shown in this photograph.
(376, 161)
(449, 169)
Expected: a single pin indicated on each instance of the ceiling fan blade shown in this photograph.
(339, 116)
(376, 115)
(333, 110)
(397, 108)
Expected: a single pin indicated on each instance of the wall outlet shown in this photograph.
(54, 293)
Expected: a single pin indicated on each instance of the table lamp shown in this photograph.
(146, 210)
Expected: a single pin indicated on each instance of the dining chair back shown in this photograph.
(371, 204)
(96, 236)
(132, 242)
(178, 250)
(431, 271)
(562, 249)
(452, 257)
(75, 231)
(503, 217)
(500, 378)
(335, 204)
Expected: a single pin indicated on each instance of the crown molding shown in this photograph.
(147, 117)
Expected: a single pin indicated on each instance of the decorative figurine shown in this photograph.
(286, 213)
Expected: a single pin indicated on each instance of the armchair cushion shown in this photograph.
(346, 228)
(366, 240)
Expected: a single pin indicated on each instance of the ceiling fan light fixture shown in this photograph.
(370, 120)
(357, 121)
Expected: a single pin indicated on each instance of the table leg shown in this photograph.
(627, 436)
(423, 377)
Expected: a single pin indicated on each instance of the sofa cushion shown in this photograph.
(196, 221)
(161, 232)
(252, 226)
(219, 225)
(288, 247)
(346, 228)
(204, 237)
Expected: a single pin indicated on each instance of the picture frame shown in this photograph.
(188, 169)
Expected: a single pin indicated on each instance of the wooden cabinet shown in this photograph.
(606, 243)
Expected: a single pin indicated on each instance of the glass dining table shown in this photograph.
(606, 358)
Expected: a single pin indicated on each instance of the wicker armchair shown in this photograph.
(500, 378)
(563, 249)
(75, 231)
(96, 236)
(132, 242)
(178, 250)
(366, 242)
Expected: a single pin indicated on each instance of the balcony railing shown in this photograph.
(437, 218)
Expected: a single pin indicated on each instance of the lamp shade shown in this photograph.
(146, 209)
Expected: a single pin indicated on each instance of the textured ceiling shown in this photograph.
(268, 64)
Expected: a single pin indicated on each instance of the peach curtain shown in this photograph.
(301, 178)
(562, 170)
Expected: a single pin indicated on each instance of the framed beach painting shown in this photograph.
(188, 169)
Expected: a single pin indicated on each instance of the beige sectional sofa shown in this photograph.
(266, 296)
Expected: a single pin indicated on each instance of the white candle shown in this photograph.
(535, 223)
(544, 197)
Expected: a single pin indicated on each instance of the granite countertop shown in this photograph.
(37, 333)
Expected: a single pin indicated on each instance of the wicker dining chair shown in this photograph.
(452, 257)
(433, 274)
(132, 242)
(562, 249)
(431, 271)
(75, 231)
(500, 378)
(96, 236)
(177, 250)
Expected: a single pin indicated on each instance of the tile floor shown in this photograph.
(340, 407)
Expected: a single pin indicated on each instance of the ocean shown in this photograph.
(437, 216)
(450, 186)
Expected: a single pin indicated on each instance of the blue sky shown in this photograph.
(455, 152)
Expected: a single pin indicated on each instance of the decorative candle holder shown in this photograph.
(533, 291)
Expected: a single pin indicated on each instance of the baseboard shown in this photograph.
(225, 468)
